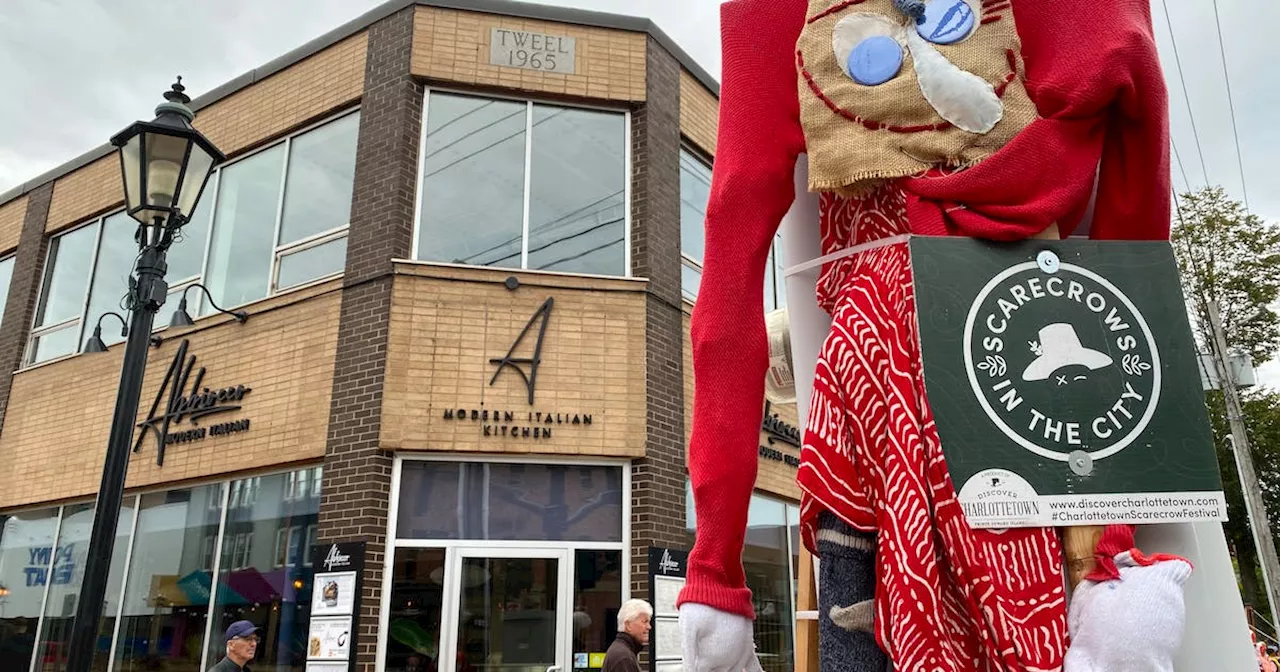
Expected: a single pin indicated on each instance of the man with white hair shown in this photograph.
(634, 622)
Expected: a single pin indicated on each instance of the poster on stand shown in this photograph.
(335, 606)
(1062, 377)
(329, 639)
(667, 568)
(334, 594)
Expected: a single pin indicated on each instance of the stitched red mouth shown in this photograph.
(874, 125)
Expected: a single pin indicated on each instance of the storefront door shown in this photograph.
(511, 610)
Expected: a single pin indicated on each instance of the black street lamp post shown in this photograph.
(165, 165)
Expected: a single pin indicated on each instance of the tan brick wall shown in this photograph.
(453, 46)
(11, 216)
(448, 322)
(773, 477)
(699, 113)
(85, 192)
(307, 90)
(59, 415)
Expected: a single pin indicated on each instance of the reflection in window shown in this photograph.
(251, 583)
(243, 229)
(417, 599)
(597, 585)
(116, 253)
(6, 275)
(775, 290)
(167, 599)
(507, 614)
(62, 296)
(26, 551)
(577, 215)
(317, 190)
(231, 243)
(695, 189)
(767, 559)
(473, 172)
(65, 579)
(477, 202)
(498, 501)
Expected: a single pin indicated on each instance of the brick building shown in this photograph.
(467, 237)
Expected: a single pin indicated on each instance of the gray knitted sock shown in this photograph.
(846, 599)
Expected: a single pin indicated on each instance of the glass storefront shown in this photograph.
(770, 558)
(504, 566)
(163, 609)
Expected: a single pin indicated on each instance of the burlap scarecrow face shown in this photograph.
(891, 88)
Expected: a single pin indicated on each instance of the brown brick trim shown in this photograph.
(658, 490)
(20, 305)
(357, 474)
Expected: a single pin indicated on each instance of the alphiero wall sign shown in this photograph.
(190, 408)
(531, 423)
(1062, 378)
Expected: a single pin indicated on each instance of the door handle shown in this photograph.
(553, 668)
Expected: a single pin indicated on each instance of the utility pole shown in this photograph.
(1254, 505)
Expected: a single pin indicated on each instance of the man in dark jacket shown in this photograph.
(634, 622)
(242, 645)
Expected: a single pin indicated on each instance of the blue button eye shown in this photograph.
(946, 21)
(875, 60)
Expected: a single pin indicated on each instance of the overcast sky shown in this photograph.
(77, 71)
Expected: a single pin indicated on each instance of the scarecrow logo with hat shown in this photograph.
(1062, 361)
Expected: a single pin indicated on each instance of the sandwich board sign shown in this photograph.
(1063, 380)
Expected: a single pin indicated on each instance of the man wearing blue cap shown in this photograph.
(242, 644)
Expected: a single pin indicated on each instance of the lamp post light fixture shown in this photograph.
(165, 164)
(181, 318)
(95, 344)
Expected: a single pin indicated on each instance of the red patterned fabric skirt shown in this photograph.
(948, 598)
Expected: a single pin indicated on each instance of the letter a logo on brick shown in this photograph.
(530, 378)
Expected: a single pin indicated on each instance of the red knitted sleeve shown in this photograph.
(758, 142)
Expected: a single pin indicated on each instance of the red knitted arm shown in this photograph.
(758, 142)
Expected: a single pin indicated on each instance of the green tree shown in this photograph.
(1232, 257)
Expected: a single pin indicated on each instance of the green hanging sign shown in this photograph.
(1063, 379)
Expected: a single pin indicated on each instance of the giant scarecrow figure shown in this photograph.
(995, 119)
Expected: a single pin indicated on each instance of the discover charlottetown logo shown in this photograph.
(1062, 362)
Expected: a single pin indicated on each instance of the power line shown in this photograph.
(1182, 167)
(1186, 94)
(1222, 49)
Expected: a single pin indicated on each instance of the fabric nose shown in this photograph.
(962, 98)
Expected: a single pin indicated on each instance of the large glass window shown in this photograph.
(497, 501)
(166, 600)
(695, 190)
(26, 553)
(253, 583)
(768, 558)
(523, 185)
(6, 275)
(449, 513)
(157, 607)
(70, 555)
(273, 220)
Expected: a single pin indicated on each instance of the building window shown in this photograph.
(769, 560)
(519, 184)
(166, 547)
(6, 275)
(278, 219)
(695, 189)
(472, 514)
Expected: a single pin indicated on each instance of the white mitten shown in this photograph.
(716, 641)
(1133, 622)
